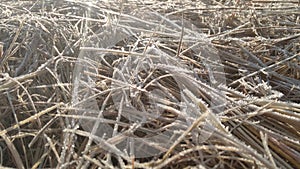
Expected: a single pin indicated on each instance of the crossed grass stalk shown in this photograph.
(264, 130)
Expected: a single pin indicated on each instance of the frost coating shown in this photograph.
(132, 89)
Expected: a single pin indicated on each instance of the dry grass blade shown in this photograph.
(30, 119)
(150, 84)
(13, 151)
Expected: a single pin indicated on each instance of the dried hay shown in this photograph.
(56, 55)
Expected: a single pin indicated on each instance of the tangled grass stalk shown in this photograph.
(149, 84)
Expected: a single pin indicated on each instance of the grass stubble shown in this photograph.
(258, 46)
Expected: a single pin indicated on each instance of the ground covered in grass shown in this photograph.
(149, 84)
